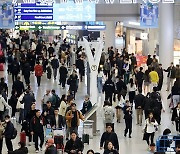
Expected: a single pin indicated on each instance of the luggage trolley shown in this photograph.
(167, 143)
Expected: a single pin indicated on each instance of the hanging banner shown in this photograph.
(6, 15)
(149, 15)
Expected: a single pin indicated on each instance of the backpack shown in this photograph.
(108, 115)
(14, 133)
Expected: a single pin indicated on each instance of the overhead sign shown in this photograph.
(6, 15)
(71, 11)
(149, 15)
(57, 27)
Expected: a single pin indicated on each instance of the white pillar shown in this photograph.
(166, 34)
(109, 34)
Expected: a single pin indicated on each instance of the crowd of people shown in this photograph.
(128, 88)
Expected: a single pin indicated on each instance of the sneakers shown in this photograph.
(37, 151)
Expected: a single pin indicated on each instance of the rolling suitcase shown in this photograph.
(59, 142)
(23, 137)
(1, 67)
(85, 137)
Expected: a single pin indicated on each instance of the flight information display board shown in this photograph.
(69, 11)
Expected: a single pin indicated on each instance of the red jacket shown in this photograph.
(38, 70)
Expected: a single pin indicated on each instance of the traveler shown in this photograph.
(48, 112)
(21, 150)
(38, 72)
(111, 136)
(55, 66)
(149, 60)
(50, 148)
(175, 92)
(109, 114)
(140, 78)
(57, 120)
(74, 145)
(177, 75)
(150, 128)
(161, 76)
(73, 117)
(170, 76)
(176, 117)
(55, 100)
(15, 69)
(139, 105)
(63, 106)
(109, 89)
(127, 70)
(37, 130)
(119, 108)
(46, 98)
(63, 72)
(100, 78)
(87, 105)
(8, 133)
(26, 71)
(146, 81)
(128, 118)
(73, 83)
(154, 78)
(107, 68)
(121, 88)
(81, 67)
(18, 86)
(131, 88)
(110, 149)
(13, 102)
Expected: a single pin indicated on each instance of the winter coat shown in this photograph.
(38, 70)
(9, 130)
(139, 101)
(51, 150)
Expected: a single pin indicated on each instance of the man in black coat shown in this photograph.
(159, 70)
(26, 72)
(81, 67)
(18, 86)
(109, 89)
(57, 121)
(48, 112)
(15, 69)
(63, 75)
(8, 133)
(36, 129)
(111, 136)
(139, 105)
(140, 78)
(74, 145)
(55, 66)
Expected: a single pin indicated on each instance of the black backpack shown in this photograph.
(14, 133)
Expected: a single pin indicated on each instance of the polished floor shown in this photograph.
(135, 145)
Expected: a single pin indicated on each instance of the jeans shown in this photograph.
(41, 136)
(99, 84)
(9, 144)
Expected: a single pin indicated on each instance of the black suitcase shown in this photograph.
(85, 138)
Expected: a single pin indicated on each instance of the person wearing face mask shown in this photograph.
(21, 150)
(176, 117)
(87, 105)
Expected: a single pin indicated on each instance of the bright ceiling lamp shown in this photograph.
(134, 23)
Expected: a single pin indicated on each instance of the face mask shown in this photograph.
(7, 120)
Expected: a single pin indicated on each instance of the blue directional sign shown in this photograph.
(149, 15)
(6, 15)
(71, 11)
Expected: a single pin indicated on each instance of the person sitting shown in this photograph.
(50, 148)
(110, 149)
(74, 145)
(21, 150)
(164, 142)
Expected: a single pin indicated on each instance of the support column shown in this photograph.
(109, 34)
(166, 34)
